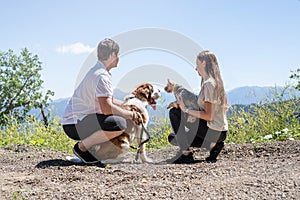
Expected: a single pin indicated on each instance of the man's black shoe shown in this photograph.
(86, 156)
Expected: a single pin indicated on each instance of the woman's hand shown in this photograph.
(181, 104)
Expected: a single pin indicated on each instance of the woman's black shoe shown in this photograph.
(215, 151)
(181, 158)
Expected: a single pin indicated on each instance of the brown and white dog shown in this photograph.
(189, 98)
(114, 150)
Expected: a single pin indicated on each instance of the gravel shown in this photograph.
(249, 171)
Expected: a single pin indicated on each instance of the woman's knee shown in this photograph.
(175, 113)
(172, 139)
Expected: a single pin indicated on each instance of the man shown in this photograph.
(92, 115)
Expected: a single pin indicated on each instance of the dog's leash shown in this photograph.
(141, 136)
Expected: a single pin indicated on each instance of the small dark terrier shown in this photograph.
(189, 98)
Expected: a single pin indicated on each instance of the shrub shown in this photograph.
(273, 119)
(160, 129)
(35, 133)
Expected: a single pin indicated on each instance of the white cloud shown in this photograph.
(76, 48)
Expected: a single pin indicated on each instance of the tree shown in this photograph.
(296, 76)
(21, 85)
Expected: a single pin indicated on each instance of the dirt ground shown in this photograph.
(249, 171)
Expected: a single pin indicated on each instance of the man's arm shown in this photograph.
(108, 107)
(117, 102)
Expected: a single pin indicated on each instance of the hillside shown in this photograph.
(241, 96)
(254, 94)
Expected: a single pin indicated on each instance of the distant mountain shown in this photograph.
(241, 96)
(254, 94)
(57, 107)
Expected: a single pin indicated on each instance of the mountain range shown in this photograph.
(242, 96)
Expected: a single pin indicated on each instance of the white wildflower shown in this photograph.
(267, 137)
(285, 130)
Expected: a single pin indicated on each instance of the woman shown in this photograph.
(210, 129)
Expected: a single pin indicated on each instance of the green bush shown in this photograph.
(34, 132)
(275, 119)
(159, 133)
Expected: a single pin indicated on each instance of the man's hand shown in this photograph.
(136, 118)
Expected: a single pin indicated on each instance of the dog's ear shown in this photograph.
(150, 86)
(171, 82)
(136, 91)
(143, 91)
(151, 90)
(138, 88)
(170, 86)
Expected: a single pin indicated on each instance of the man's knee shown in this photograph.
(114, 123)
(121, 123)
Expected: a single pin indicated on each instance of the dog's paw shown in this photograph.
(173, 105)
(142, 158)
(147, 160)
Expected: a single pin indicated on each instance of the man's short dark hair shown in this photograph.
(107, 47)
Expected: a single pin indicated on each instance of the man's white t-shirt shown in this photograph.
(96, 83)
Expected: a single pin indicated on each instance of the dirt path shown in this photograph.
(251, 171)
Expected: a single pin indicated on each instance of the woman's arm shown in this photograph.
(206, 114)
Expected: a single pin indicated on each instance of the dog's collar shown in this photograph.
(131, 96)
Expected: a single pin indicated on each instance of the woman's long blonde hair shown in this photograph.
(213, 71)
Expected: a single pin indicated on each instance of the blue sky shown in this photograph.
(256, 42)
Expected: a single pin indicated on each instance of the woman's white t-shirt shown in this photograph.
(208, 94)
